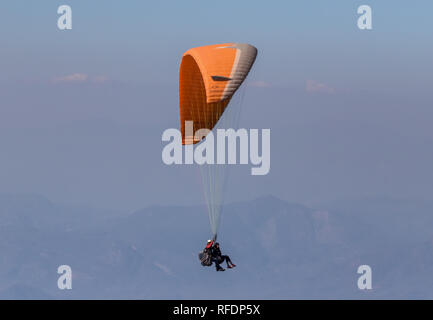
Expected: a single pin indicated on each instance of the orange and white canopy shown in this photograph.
(208, 78)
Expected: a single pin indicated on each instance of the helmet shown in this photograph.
(209, 241)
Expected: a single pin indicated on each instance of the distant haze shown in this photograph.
(282, 250)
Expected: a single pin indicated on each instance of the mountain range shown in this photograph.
(282, 250)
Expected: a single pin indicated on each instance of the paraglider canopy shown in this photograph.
(209, 76)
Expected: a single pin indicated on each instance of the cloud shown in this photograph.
(164, 268)
(80, 78)
(100, 79)
(75, 77)
(260, 84)
(313, 86)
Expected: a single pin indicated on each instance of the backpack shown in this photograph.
(205, 258)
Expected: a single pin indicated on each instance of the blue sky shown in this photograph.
(139, 37)
(349, 110)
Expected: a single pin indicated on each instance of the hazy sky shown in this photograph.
(82, 111)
